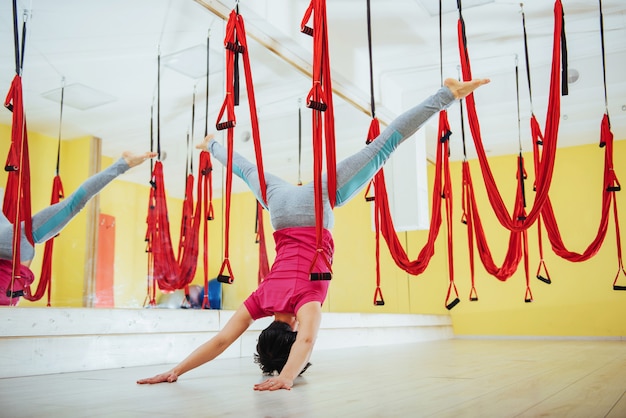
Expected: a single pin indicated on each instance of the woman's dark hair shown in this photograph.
(273, 347)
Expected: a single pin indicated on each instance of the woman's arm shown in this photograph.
(309, 318)
(233, 329)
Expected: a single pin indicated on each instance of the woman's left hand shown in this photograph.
(274, 383)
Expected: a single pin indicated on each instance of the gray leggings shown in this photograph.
(294, 206)
(48, 222)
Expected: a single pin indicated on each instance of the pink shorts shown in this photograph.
(288, 286)
(19, 284)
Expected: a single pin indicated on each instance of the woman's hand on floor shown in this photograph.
(169, 377)
(274, 383)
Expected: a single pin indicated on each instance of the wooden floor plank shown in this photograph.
(450, 378)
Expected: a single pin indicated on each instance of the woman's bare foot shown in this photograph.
(203, 145)
(135, 159)
(461, 89)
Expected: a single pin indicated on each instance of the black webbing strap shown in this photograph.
(369, 45)
(239, 49)
(19, 56)
(159, 105)
(151, 139)
(60, 125)
(463, 35)
(206, 108)
(526, 58)
(192, 137)
(440, 42)
(16, 39)
(606, 100)
(23, 42)
(564, 87)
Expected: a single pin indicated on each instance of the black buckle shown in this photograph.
(321, 276)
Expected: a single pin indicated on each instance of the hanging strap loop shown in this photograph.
(379, 300)
(225, 278)
(544, 278)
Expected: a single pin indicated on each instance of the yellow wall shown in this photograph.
(579, 302)
(69, 252)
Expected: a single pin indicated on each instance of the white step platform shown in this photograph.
(38, 341)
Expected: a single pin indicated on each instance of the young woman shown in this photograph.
(48, 223)
(287, 293)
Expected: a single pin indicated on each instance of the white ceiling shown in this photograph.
(112, 46)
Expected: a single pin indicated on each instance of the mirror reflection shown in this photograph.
(108, 96)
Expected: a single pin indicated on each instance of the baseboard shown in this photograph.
(58, 340)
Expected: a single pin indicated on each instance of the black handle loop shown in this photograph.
(321, 106)
(452, 304)
(544, 279)
(223, 278)
(240, 49)
(225, 125)
(307, 30)
(15, 294)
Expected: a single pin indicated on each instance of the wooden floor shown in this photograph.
(450, 378)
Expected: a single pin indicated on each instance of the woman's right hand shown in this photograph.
(169, 377)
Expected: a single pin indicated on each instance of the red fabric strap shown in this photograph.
(320, 100)
(45, 278)
(608, 196)
(372, 134)
(264, 265)
(398, 253)
(546, 165)
(170, 271)
(17, 200)
(235, 42)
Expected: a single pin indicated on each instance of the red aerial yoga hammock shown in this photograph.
(172, 272)
(546, 167)
(235, 43)
(441, 190)
(383, 221)
(169, 271)
(610, 186)
(320, 100)
(17, 198)
(520, 221)
(45, 278)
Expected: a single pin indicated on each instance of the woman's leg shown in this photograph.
(354, 172)
(242, 168)
(48, 222)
